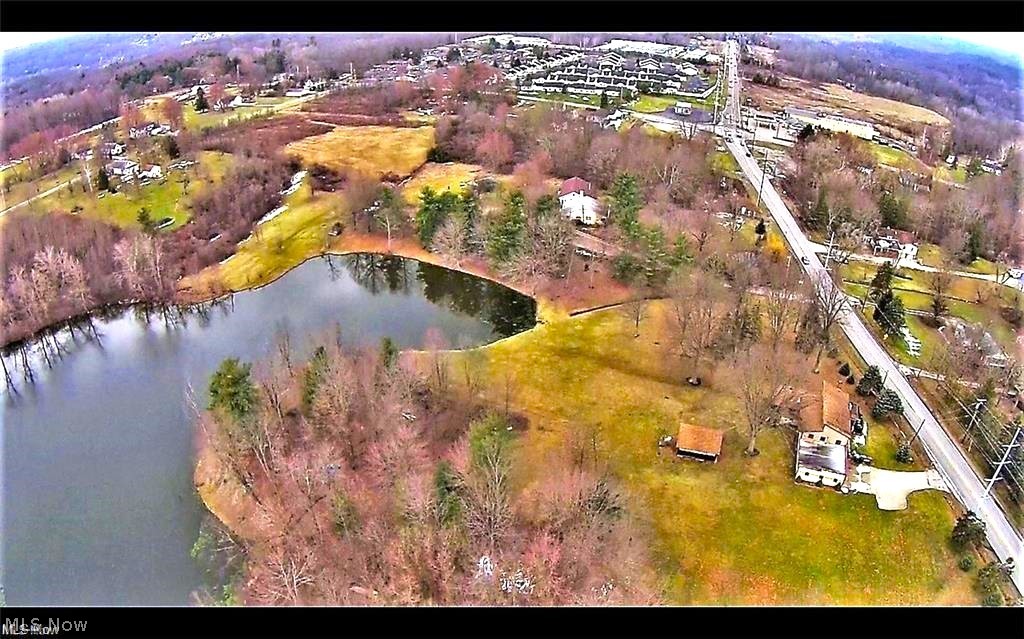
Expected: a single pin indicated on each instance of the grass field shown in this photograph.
(957, 175)
(373, 150)
(162, 198)
(914, 290)
(280, 244)
(653, 103)
(933, 255)
(736, 532)
(897, 158)
(440, 177)
(22, 191)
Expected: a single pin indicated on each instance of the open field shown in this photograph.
(279, 244)
(22, 191)
(933, 255)
(450, 176)
(736, 532)
(571, 98)
(373, 150)
(835, 98)
(897, 158)
(957, 175)
(653, 103)
(162, 198)
(914, 290)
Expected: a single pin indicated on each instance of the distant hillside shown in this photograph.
(980, 94)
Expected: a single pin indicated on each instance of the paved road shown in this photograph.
(941, 448)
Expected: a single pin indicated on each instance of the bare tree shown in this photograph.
(697, 300)
(636, 311)
(764, 386)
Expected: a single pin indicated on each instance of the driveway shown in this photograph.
(891, 487)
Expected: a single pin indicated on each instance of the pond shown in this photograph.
(98, 505)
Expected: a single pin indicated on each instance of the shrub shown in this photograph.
(888, 403)
(965, 563)
(903, 454)
(992, 600)
(851, 379)
(969, 529)
(871, 381)
(844, 370)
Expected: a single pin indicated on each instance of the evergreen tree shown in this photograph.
(888, 403)
(312, 377)
(505, 235)
(882, 281)
(892, 210)
(626, 203)
(818, 217)
(232, 390)
(969, 529)
(761, 229)
(201, 103)
(604, 100)
(870, 382)
(889, 314)
(145, 220)
(973, 245)
(388, 352)
(103, 180)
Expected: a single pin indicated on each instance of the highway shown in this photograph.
(944, 452)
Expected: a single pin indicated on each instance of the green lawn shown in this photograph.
(736, 532)
(572, 98)
(724, 163)
(162, 198)
(933, 255)
(958, 175)
(897, 158)
(647, 103)
(914, 290)
(22, 191)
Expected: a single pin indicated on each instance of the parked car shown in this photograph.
(804, 259)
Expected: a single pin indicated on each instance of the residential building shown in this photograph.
(697, 442)
(122, 168)
(832, 419)
(576, 199)
(151, 172)
(112, 149)
(821, 463)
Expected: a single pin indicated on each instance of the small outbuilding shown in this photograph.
(697, 442)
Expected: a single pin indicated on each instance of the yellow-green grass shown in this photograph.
(23, 191)
(647, 103)
(935, 256)
(724, 163)
(451, 176)
(373, 150)
(897, 158)
(988, 317)
(572, 98)
(736, 532)
(957, 175)
(281, 243)
(162, 198)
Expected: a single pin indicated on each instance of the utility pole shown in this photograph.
(831, 241)
(1002, 462)
(916, 433)
(974, 418)
(760, 189)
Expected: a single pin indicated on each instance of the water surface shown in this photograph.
(98, 504)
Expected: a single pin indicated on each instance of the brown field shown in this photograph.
(373, 150)
(273, 132)
(834, 98)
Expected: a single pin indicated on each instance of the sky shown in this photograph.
(1008, 42)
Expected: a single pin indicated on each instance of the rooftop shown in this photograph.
(698, 439)
(821, 457)
(833, 409)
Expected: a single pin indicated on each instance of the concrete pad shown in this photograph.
(891, 487)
